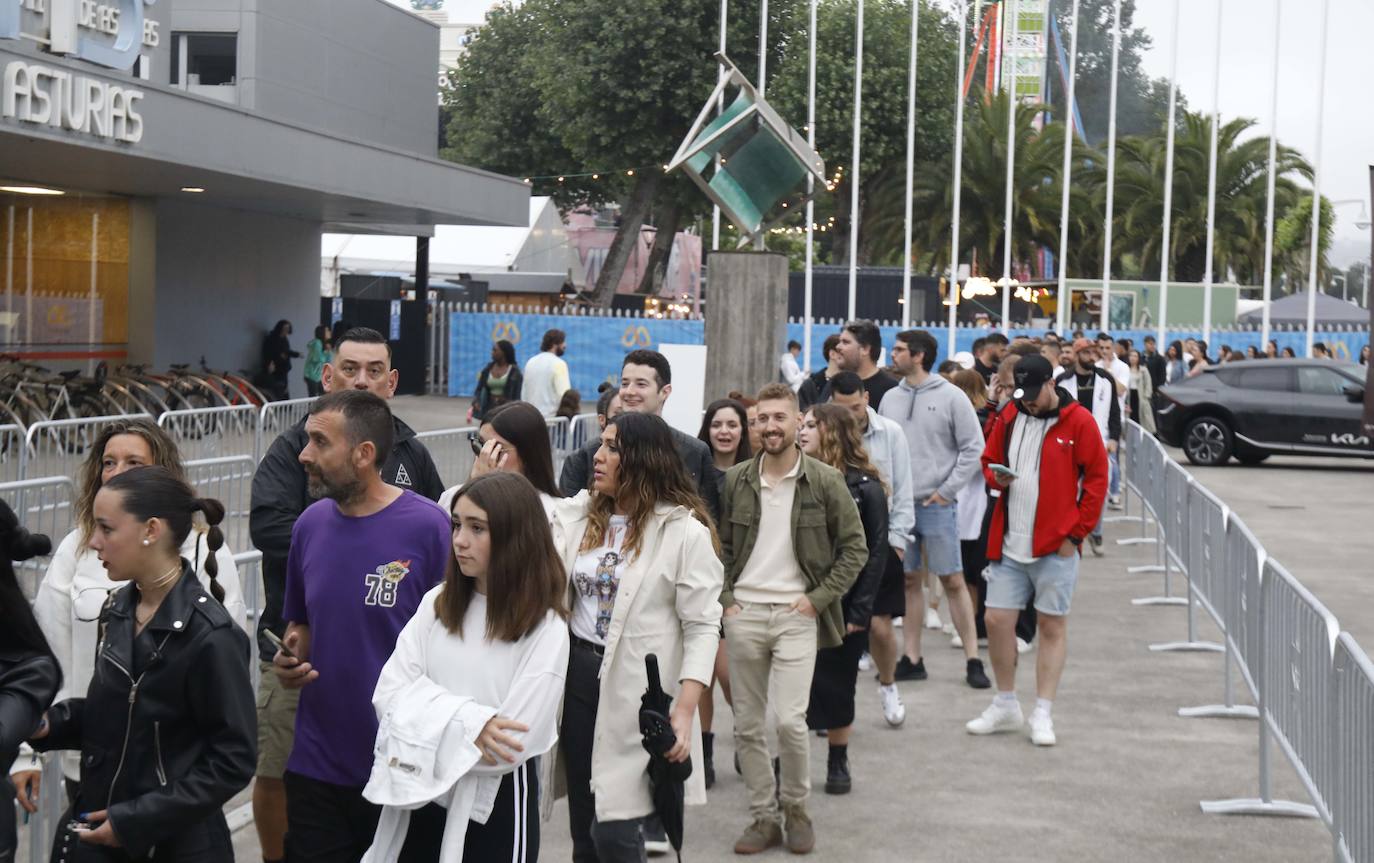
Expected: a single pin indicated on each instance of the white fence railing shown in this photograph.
(1313, 685)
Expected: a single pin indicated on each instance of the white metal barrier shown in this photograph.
(43, 505)
(213, 432)
(275, 418)
(452, 452)
(1352, 735)
(1170, 484)
(228, 480)
(584, 430)
(249, 564)
(1295, 696)
(1194, 540)
(11, 452)
(1149, 464)
(58, 447)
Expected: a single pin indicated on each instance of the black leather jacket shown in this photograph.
(871, 500)
(28, 683)
(167, 730)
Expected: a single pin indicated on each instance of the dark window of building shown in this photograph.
(205, 59)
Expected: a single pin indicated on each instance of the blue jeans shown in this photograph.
(1114, 472)
(937, 533)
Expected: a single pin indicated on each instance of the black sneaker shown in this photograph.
(837, 779)
(907, 670)
(975, 675)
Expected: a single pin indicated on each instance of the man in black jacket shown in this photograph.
(645, 384)
(362, 360)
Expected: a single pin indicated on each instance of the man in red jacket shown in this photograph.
(1045, 453)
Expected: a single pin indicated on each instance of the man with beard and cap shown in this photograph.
(1047, 457)
(361, 559)
(1095, 389)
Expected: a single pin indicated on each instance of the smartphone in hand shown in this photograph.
(286, 651)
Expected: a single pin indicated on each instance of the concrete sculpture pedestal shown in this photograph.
(746, 321)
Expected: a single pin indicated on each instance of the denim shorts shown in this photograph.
(1051, 579)
(937, 534)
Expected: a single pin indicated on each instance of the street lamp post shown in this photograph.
(1011, 33)
(952, 295)
(1111, 170)
(1065, 304)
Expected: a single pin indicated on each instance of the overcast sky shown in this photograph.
(1247, 76)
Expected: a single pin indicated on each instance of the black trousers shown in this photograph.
(511, 832)
(327, 823)
(833, 684)
(593, 841)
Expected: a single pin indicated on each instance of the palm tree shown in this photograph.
(1242, 177)
(1035, 194)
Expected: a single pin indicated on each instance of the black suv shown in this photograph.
(1254, 408)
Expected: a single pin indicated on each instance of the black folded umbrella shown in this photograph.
(665, 777)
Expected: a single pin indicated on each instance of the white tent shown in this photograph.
(541, 253)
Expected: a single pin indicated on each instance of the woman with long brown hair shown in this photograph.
(513, 437)
(830, 434)
(645, 579)
(488, 649)
(76, 585)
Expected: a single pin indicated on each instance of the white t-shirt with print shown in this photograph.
(596, 580)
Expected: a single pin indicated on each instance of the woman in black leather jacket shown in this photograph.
(167, 729)
(830, 433)
(29, 674)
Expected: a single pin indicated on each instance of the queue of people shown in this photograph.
(436, 674)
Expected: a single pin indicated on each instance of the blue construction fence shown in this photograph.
(597, 344)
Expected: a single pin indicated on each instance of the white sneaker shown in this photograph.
(948, 629)
(865, 662)
(1023, 646)
(894, 711)
(1041, 728)
(657, 847)
(933, 619)
(956, 642)
(1114, 502)
(996, 719)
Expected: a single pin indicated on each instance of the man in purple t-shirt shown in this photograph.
(361, 559)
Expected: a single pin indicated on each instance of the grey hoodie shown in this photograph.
(942, 432)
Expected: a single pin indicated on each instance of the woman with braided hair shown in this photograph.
(76, 585)
(167, 727)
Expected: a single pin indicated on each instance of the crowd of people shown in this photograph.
(439, 665)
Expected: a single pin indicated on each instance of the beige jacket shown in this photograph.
(668, 604)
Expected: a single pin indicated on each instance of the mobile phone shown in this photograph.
(1004, 470)
(272, 637)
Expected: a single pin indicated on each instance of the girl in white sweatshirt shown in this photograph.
(470, 696)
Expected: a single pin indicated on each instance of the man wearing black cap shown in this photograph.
(1044, 446)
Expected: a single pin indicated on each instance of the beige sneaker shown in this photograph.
(759, 837)
(801, 838)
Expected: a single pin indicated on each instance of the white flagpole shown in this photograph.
(854, 169)
(953, 295)
(1314, 250)
(910, 163)
(1273, 168)
(1009, 31)
(1111, 171)
(720, 107)
(810, 187)
(1211, 188)
(1065, 303)
(1168, 186)
(763, 47)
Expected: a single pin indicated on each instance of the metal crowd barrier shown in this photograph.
(584, 429)
(230, 481)
(1149, 464)
(1127, 453)
(44, 505)
(249, 564)
(1171, 485)
(58, 447)
(11, 452)
(1295, 696)
(275, 418)
(1195, 542)
(1352, 734)
(213, 432)
(451, 451)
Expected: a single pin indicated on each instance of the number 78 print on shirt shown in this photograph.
(382, 583)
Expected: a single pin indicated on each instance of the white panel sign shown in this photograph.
(683, 408)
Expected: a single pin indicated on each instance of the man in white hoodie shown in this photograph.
(946, 444)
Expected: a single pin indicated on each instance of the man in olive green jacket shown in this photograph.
(792, 545)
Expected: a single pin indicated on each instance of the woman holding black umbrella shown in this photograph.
(645, 579)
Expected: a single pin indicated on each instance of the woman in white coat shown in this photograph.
(645, 578)
(75, 587)
(469, 697)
